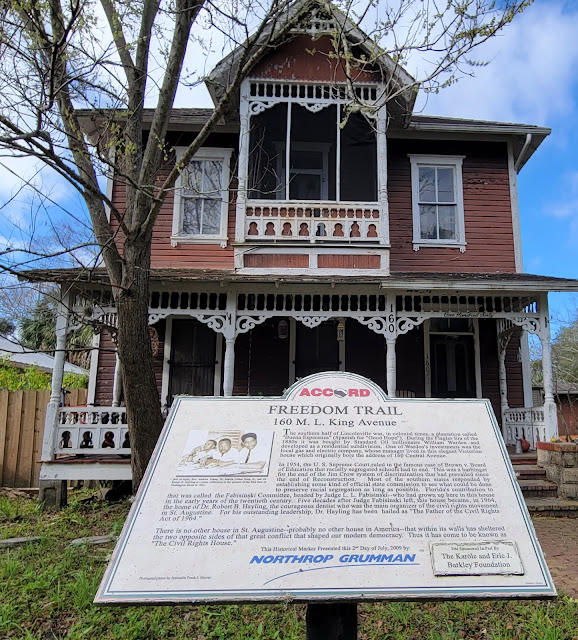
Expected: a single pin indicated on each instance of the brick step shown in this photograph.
(536, 488)
(529, 471)
(523, 458)
(552, 507)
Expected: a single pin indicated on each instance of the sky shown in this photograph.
(531, 78)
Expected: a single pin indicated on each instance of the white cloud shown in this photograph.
(531, 72)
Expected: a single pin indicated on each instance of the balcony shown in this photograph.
(313, 222)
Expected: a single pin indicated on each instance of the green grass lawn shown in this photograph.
(46, 592)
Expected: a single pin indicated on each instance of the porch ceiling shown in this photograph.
(397, 280)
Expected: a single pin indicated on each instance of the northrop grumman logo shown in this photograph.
(335, 393)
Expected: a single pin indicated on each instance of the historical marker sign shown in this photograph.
(331, 492)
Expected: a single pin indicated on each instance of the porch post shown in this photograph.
(229, 367)
(243, 169)
(52, 492)
(391, 367)
(230, 333)
(550, 413)
(117, 383)
(503, 341)
(51, 421)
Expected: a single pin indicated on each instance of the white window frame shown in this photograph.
(449, 162)
(177, 236)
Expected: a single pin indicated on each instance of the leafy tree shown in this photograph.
(57, 58)
(565, 354)
(37, 332)
(6, 327)
(16, 378)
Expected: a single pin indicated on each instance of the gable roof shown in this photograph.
(294, 15)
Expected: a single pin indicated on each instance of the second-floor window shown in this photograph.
(437, 201)
(201, 197)
(298, 155)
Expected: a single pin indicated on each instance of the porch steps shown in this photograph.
(537, 488)
(541, 495)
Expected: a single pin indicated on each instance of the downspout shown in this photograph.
(520, 157)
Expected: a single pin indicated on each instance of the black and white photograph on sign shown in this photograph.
(226, 453)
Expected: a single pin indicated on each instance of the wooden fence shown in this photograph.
(22, 415)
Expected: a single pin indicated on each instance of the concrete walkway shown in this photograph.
(559, 541)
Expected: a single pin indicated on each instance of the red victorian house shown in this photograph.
(308, 236)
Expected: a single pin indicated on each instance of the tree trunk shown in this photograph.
(141, 394)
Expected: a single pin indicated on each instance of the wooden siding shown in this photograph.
(22, 416)
(277, 261)
(195, 256)
(567, 413)
(330, 261)
(488, 216)
(295, 61)
(107, 363)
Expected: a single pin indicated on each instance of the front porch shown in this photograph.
(236, 337)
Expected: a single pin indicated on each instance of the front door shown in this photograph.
(452, 366)
(192, 363)
(316, 349)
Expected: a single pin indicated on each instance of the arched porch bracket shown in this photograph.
(312, 321)
(405, 325)
(246, 323)
(531, 325)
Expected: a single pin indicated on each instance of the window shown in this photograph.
(201, 198)
(437, 198)
(331, 157)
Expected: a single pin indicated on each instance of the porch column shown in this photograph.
(503, 341)
(391, 367)
(52, 411)
(229, 367)
(243, 168)
(550, 413)
(117, 383)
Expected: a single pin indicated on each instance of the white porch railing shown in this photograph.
(274, 220)
(527, 422)
(92, 430)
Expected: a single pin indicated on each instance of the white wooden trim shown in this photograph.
(477, 358)
(117, 383)
(167, 348)
(455, 163)
(93, 372)
(289, 271)
(287, 153)
(382, 193)
(218, 364)
(515, 207)
(243, 169)
(109, 182)
(81, 471)
(526, 369)
(177, 237)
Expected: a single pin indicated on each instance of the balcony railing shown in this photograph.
(313, 221)
(528, 423)
(92, 430)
